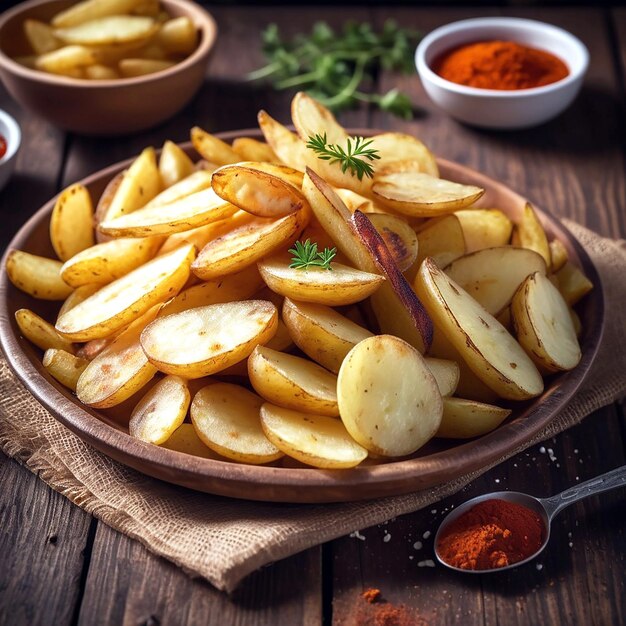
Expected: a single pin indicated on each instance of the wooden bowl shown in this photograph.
(102, 107)
(436, 463)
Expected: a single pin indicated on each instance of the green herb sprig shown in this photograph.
(352, 158)
(305, 255)
(337, 68)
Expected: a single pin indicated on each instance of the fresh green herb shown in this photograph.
(349, 158)
(306, 255)
(337, 68)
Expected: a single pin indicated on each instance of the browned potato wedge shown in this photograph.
(257, 192)
(278, 170)
(321, 332)
(398, 150)
(178, 36)
(422, 195)
(64, 367)
(108, 261)
(174, 164)
(92, 9)
(112, 29)
(492, 275)
(446, 373)
(311, 118)
(211, 148)
(40, 36)
(558, 255)
(485, 345)
(484, 228)
(36, 275)
(464, 419)
(529, 233)
(354, 201)
(398, 236)
(315, 440)
(253, 150)
(293, 382)
(388, 414)
(66, 61)
(336, 287)
(125, 299)
(43, 334)
(161, 411)
(289, 148)
(201, 341)
(141, 67)
(185, 439)
(227, 419)
(246, 244)
(573, 284)
(442, 240)
(544, 326)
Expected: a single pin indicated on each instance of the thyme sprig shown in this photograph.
(306, 255)
(352, 158)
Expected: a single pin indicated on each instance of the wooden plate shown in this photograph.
(436, 463)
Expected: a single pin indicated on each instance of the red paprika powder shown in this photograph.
(501, 65)
(492, 534)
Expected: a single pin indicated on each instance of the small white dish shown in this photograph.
(12, 134)
(494, 108)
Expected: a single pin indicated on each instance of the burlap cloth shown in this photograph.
(223, 540)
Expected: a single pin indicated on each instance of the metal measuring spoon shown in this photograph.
(546, 508)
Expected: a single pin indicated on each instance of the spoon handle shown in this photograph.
(611, 480)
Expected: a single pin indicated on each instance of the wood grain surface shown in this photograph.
(573, 166)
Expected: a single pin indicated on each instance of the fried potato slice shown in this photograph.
(485, 345)
(387, 414)
(398, 236)
(443, 240)
(211, 148)
(398, 151)
(253, 150)
(101, 72)
(77, 296)
(125, 299)
(492, 275)
(315, 440)
(185, 439)
(447, 374)
(112, 29)
(227, 419)
(178, 35)
(544, 326)
(141, 67)
(572, 283)
(336, 287)
(284, 172)
(196, 181)
(321, 332)
(293, 382)
(464, 419)
(64, 366)
(38, 276)
(105, 262)
(66, 61)
(289, 148)
(174, 164)
(529, 233)
(201, 341)
(40, 36)
(484, 228)
(558, 255)
(311, 118)
(161, 411)
(40, 332)
(422, 195)
(92, 9)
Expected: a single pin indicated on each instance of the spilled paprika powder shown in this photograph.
(503, 65)
(492, 534)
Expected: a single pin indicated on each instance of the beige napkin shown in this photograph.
(223, 540)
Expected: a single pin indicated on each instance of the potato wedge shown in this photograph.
(387, 414)
(447, 374)
(315, 440)
(174, 164)
(77, 296)
(321, 332)
(227, 419)
(443, 240)
(278, 170)
(422, 195)
(92, 9)
(37, 276)
(573, 284)
(129, 68)
(211, 148)
(43, 334)
(529, 233)
(112, 29)
(125, 299)
(492, 275)
(484, 228)
(398, 236)
(293, 382)
(336, 287)
(464, 419)
(558, 255)
(64, 366)
(312, 118)
(201, 341)
(101, 72)
(40, 36)
(396, 150)
(66, 61)
(253, 150)
(544, 326)
(185, 439)
(161, 411)
(196, 181)
(289, 148)
(178, 35)
(485, 345)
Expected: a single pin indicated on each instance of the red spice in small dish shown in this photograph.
(503, 65)
(3, 146)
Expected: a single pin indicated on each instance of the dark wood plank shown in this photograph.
(42, 542)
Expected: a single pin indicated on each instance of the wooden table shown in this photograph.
(60, 566)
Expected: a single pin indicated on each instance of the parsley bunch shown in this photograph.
(352, 158)
(331, 67)
(306, 255)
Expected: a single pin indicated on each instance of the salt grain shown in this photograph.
(433, 511)
(542, 450)
(570, 544)
(426, 563)
(497, 480)
(427, 534)
(539, 566)
(417, 545)
(387, 538)
(357, 535)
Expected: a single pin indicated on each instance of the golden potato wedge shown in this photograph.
(253, 150)
(558, 255)
(125, 299)
(40, 36)
(321, 332)
(354, 201)
(71, 222)
(201, 341)
(529, 233)
(141, 67)
(246, 244)
(388, 414)
(398, 150)
(398, 236)
(227, 419)
(105, 262)
(196, 181)
(422, 195)
(36, 275)
(161, 411)
(178, 35)
(66, 61)
(573, 284)
(43, 334)
(315, 440)
(485, 345)
(464, 419)
(101, 72)
(544, 326)
(257, 192)
(578, 327)
(312, 118)
(447, 374)
(174, 164)
(289, 148)
(64, 366)
(484, 228)
(293, 382)
(442, 240)
(77, 296)
(338, 286)
(185, 439)
(112, 29)
(211, 148)
(492, 275)
(92, 9)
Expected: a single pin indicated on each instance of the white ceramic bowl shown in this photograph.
(492, 108)
(12, 134)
